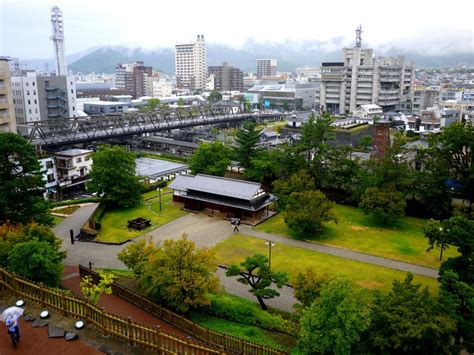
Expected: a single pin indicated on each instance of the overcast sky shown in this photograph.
(428, 26)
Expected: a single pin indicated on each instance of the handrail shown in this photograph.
(228, 342)
(134, 333)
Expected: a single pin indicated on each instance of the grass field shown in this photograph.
(251, 333)
(114, 223)
(57, 220)
(403, 241)
(293, 260)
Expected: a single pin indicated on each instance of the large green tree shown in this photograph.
(210, 158)
(135, 255)
(21, 183)
(308, 285)
(299, 182)
(306, 211)
(247, 138)
(180, 275)
(335, 322)
(453, 148)
(255, 272)
(113, 177)
(384, 204)
(408, 321)
(37, 261)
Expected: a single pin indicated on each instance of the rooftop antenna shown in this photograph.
(359, 36)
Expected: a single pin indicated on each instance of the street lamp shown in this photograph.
(270, 245)
(159, 190)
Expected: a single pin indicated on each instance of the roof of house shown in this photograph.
(154, 168)
(245, 190)
(369, 107)
(74, 152)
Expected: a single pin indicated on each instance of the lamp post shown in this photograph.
(159, 190)
(270, 245)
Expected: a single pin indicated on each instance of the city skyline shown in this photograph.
(90, 24)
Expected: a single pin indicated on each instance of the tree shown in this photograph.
(314, 137)
(136, 255)
(335, 322)
(385, 205)
(453, 148)
(153, 104)
(255, 272)
(365, 142)
(37, 261)
(437, 236)
(341, 172)
(299, 182)
(407, 320)
(92, 291)
(306, 211)
(210, 158)
(113, 177)
(181, 102)
(214, 96)
(180, 275)
(21, 199)
(308, 285)
(457, 301)
(247, 138)
(11, 235)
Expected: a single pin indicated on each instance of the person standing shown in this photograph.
(13, 331)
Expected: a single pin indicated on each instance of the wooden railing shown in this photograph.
(230, 343)
(135, 334)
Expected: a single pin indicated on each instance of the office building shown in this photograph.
(291, 96)
(227, 78)
(361, 79)
(191, 64)
(422, 99)
(7, 113)
(131, 78)
(266, 67)
(41, 98)
(57, 25)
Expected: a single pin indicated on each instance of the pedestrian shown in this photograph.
(236, 225)
(12, 331)
(17, 330)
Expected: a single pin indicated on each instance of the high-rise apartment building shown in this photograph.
(361, 79)
(191, 64)
(266, 67)
(41, 98)
(7, 113)
(57, 25)
(131, 77)
(227, 78)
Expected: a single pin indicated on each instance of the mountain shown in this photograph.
(290, 55)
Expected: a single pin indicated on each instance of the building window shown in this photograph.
(34, 92)
(72, 91)
(27, 92)
(29, 111)
(29, 102)
(79, 160)
(87, 158)
(49, 164)
(33, 83)
(36, 110)
(36, 101)
(51, 178)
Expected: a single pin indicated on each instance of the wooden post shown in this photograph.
(129, 330)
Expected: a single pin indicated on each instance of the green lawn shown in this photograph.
(251, 333)
(293, 260)
(57, 220)
(114, 223)
(403, 241)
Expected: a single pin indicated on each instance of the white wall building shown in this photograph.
(50, 175)
(368, 111)
(73, 166)
(191, 64)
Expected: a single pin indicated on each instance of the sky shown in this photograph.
(426, 26)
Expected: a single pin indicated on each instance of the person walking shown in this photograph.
(13, 331)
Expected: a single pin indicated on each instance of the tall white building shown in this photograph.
(361, 79)
(41, 98)
(57, 25)
(266, 67)
(191, 64)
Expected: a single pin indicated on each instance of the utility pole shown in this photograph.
(270, 245)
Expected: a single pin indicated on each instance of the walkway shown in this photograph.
(35, 341)
(343, 253)
(118, 306)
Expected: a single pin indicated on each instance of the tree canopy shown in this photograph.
(384, 204)
(306, 211)
(308, 285)
(21, 186)
(113, 177)
(247, 138)
(335, 322)
(215, 96)
(255, 271)
(210, 158)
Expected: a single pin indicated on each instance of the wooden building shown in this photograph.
(233, 198)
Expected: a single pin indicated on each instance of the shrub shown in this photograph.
(240, 310)
(74, 202)
(147, 187)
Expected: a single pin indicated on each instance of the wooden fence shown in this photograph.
(135, 334)
(230, 343)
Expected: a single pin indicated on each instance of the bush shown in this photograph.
(74, 202)
(244, 311)
(98, 214)
(147, 187)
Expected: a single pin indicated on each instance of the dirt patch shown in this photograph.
(359, 228)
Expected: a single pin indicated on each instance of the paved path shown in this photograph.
(343, 253)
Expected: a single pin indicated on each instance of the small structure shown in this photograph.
(139, 223)
(368, 111)
(156, 169)
(235, 198)
(381, 138)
